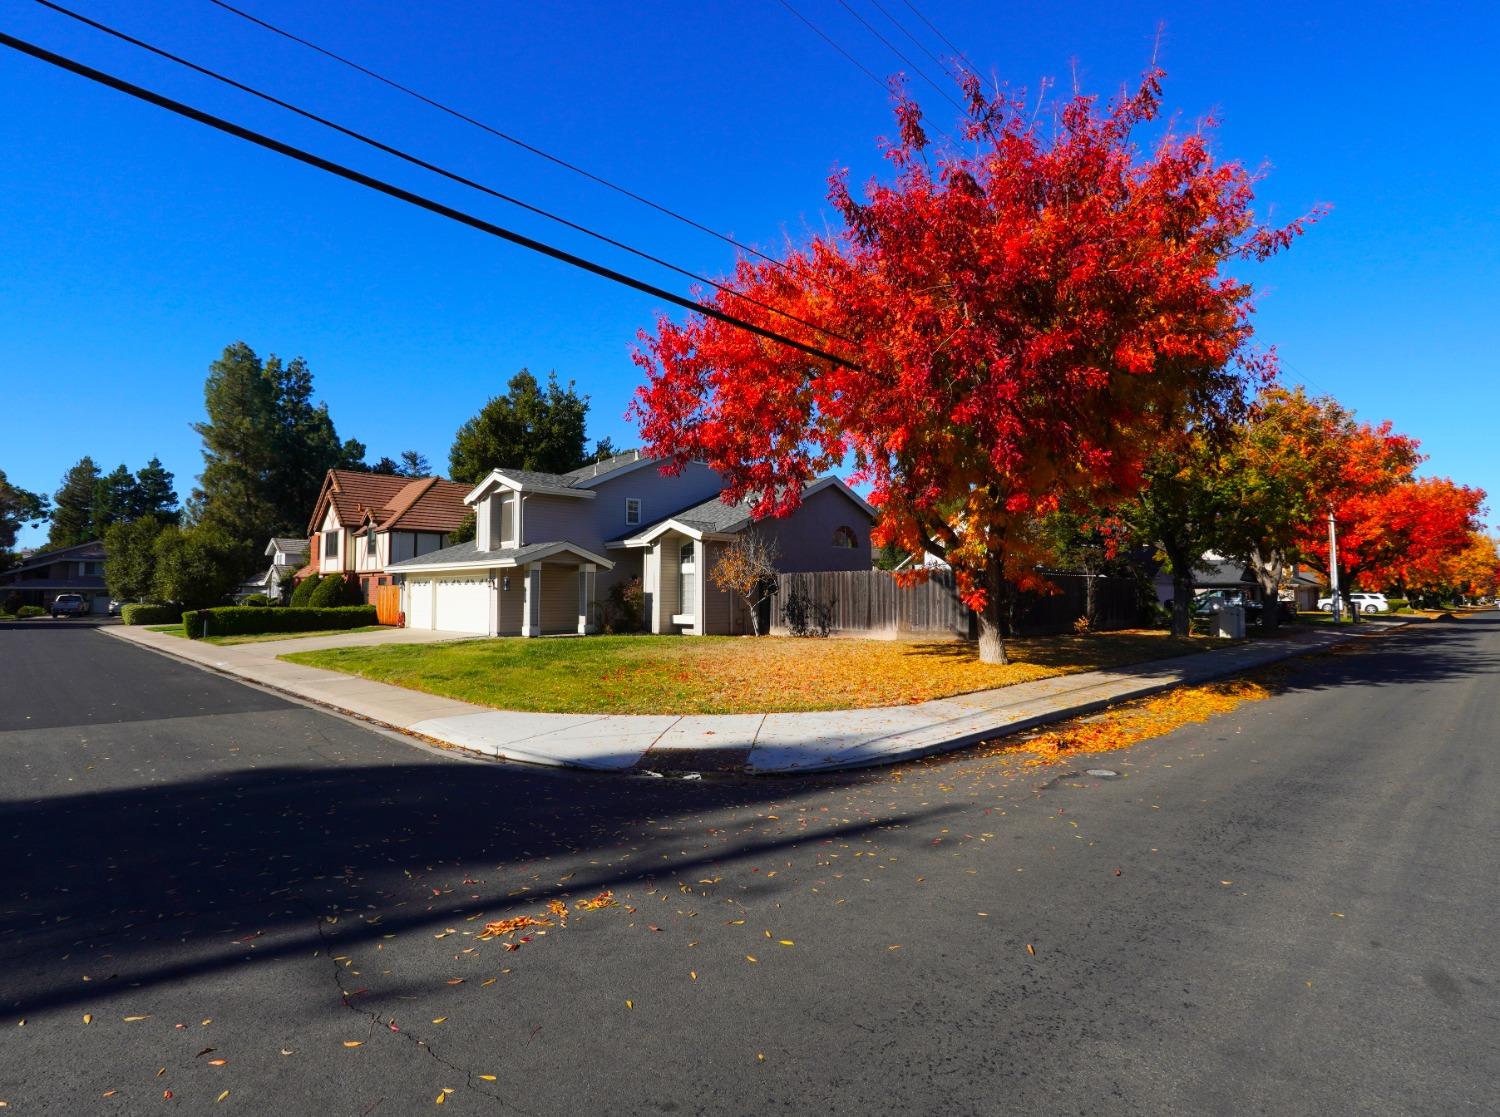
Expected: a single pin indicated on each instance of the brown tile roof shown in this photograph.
(423, 504)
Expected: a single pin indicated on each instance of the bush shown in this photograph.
(26, 611)
(1398, 604)
(258, 600)
(251, 620)
(302, 594)
(623, 609)
(806, 617)
(336, 590)
(151, 614)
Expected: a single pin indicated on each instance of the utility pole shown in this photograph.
(1333, 569)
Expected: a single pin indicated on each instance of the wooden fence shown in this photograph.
(388, 604)
(871, 603)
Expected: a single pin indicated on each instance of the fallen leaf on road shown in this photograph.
(88, 1017)
(786, 942)
(438, 1019)
(353, 1042)
(217, 1062)
(221, 1097)
(629, 1004)
(487, 1078)
(751, 958)
(693, 974)
(1030, 949)
(133, 1019)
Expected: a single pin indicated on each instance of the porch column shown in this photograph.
(653, 564)
(586, 625)
(531, 600)
(700, 589)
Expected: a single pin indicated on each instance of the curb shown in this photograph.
(642, 768)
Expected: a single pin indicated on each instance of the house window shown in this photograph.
(370, 545)
(330, 545)
(845, 537)
(632, 510)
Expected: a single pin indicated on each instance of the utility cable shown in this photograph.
(404, 195)
(868, 26)
(936, 61)
(427, 166)
(957, 54)
(496, 132)
(816, 30)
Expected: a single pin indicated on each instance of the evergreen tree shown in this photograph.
(526, 428)
(115, 500)
(130, 558)
(154, 495)
(240, 441)
(386, 465)
(305, 445)
(414, 464)
(17, 509)
(73, 506)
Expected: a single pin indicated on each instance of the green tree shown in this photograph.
(387, 465)
(73, 506)
(1181, 508)
(194, 566)
(18, 507)
(115, 500)
(526, 428)
(130, 558)
(414, 464)
(305, 445)
(154, 495)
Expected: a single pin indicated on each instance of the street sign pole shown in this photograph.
(1333, 569)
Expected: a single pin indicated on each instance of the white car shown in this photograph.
(1364, 602)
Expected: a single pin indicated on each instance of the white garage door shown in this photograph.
(463, 605)
(418, 604)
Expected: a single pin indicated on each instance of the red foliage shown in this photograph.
(1028, 317)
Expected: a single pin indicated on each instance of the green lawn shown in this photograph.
(259, 637)
(727, 674)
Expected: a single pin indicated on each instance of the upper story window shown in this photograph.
(632, 510)
(330, 544)
(845, 537)
(371, 546)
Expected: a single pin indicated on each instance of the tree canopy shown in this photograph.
(527, 427)
(1020, 318)
(18, 507)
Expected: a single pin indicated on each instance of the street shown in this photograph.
(214, 895)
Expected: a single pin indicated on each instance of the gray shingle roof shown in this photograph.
(715, 515)
(600, 469)
(461, 554)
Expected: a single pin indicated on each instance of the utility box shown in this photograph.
(1231, 622)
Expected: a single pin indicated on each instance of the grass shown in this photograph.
(259, 637)
(727, 674)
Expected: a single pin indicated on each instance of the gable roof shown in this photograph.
(286, 545)
(420, 504)
(576, 482)
(92, 551)
(468, 556)
(714, 517)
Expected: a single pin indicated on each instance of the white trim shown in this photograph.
(498, 477)
(590, 482)
(493, 561)
(645, 539)
(639, 511)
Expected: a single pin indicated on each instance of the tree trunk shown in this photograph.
(1268, 570)
(991, 638)
(1182, 601)
(1091, 600)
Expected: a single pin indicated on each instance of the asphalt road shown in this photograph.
(1289, 909)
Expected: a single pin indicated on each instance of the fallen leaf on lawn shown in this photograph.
(353, 1042)
(221, 1097)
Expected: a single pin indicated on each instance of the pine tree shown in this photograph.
(154, 495)
(73, 506)
(241, 438)
(526, 428)
(414, 464)
(115, 500)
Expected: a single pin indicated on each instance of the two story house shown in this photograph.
(364, 522)
(39, 579)
(548, 547)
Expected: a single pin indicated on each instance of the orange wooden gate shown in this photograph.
(388, 604)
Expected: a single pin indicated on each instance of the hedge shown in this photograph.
(26, 611)
(151, 614)
(303, 591)
(248, 620)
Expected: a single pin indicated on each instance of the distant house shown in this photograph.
(549, 546)
(40, 578)
(288, 557)
(1215, 572)
(363, 522)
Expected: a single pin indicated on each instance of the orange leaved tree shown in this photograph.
(1017, 321)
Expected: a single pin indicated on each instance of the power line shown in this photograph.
(957, 54)
(881, 8)
(425, 165)
(401, 194)
(816, 30)
(892, 48)
(506, 136)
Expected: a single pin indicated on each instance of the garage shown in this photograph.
(462, 604)
(418, 604)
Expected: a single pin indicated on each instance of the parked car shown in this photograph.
(1208, 602)
(114, 607)
(69, 605)
(1364, 602)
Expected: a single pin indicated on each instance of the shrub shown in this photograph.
(30, 611)
(336, 590)
(806, 617)
(251, 620)
(257, 599)
(151, 614)
(1398, 604)
(12, 603)
(302, 594)
(623, 609)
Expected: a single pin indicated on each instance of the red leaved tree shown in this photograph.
(1019, 322)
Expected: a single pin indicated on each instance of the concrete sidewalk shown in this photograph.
(758, 744)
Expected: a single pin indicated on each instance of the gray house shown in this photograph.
(548, 547)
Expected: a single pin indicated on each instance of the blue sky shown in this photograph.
(134, 246)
